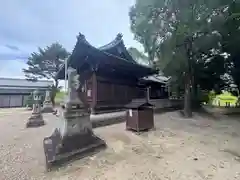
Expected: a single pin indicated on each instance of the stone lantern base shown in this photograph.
(35, 120)
(59, 150)
(47, 107)
(78, 140)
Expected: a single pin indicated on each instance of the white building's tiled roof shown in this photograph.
(8, 83)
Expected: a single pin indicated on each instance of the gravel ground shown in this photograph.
(178, 149)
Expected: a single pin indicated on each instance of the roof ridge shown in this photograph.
(22, 79)
(118, 39)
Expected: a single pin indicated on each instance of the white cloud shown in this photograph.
(28, 24)
(12, 68)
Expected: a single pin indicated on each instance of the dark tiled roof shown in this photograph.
(117, 48)
(112, 44)
(114, 51)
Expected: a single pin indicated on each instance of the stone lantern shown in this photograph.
(47, 104)
(36, 118)
(74, 136)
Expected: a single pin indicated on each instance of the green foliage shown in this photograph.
(147, 26)
(45, 64)
(29, 100)
(211, 96)
(204, 98)
(231, 40)
(138, 56)
(60, 97)
(192, 43)
(183, 36)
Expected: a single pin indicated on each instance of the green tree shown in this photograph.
(231, 39)
(181, 35)
(138, 56)
(147, 25)
(45, 64)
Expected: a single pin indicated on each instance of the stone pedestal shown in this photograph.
(35, 120)
(47, 107)
(47, 104)
(74, 136)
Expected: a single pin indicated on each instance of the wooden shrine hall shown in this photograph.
(111, 76)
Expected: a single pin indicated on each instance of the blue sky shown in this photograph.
(28, 24)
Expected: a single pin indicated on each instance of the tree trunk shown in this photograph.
(188, 79)
(187, 97)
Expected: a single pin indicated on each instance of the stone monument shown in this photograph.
(47, 104)
(74, 136)
(36, 118)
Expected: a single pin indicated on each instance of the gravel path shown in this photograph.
(178, 149)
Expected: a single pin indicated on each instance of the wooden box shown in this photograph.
(139, 116)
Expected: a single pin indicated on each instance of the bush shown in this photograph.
(59, 98)
(29, 101)
(204, 98)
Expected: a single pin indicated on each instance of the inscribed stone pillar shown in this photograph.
(36, 118)
(47, 104)
(74, 135)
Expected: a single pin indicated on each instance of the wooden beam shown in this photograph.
(94, 91)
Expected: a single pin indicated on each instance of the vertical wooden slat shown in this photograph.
(113, 93)
(94, 91)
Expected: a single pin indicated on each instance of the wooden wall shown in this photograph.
(109, 92)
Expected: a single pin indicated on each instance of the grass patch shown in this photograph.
(60, 97)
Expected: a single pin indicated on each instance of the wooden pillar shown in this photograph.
(126, 94)
(113, 93)
(148, 94)
(94, 93)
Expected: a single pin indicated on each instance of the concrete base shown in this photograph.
(35, 120)
(59, 150)
(47, 107)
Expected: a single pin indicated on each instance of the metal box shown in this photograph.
(139, 116)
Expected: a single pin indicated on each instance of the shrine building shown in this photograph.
(112, 78)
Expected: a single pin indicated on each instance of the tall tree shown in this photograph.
(231, 39)
(45, 64)
(182, 35)
(138, 56)
(147, 26)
